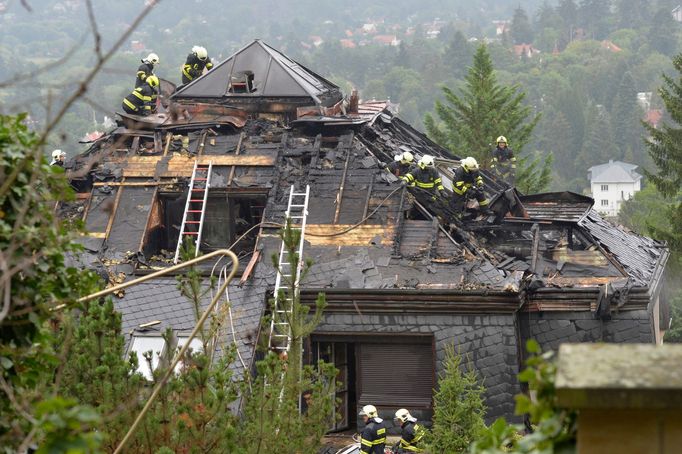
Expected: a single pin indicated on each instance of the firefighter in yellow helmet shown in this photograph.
(426, 177)
(373, 437)
(412, 433)
(146, 69)
(142, 101)
(467, 182)
(402, 164)
(194, 66)
(503, 165)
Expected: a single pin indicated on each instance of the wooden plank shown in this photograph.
(152, 207)
(146, 166)
(169, 137)
(236, 153)
(359, 236)
(113, 212)
(126, 183)
(96, 234)
(339, 196)
(87, 207)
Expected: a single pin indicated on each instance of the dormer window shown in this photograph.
(241, 82)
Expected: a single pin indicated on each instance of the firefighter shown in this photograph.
(426, 177)
(467, 181)
(146, 69)
(373, 437)
(194, 66)
(142, 101)
(503, 165)
(58, 157)
(412, 433)
(402, 164)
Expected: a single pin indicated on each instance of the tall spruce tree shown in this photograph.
(664, 32)
(96, 372)
(521, 31)
(599, 145)
(468, 123)
(458, 407)
(665, 148)
(626, 115)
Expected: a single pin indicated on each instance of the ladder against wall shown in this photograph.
(280, 329)
(195, 207)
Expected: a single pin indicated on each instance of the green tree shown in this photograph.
(665, 149)
(626, 115)
(457, 54)
(595, 16)
(470, 121)
(521, 30)
(633, 13)
(554, 429)
(458, 409)
(535, 173)
(96, 371)
(599, 145)
(35, 279)
(664, 32)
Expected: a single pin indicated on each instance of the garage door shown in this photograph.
(399, 375)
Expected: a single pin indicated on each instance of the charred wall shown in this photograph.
(551, 329)
(488, 340)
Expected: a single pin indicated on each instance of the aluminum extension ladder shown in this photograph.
(195, 207)
(280, 329)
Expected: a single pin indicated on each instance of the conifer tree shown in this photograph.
(626, 115)
(458, 407)
(469, 122)
(97, 373)
(665, 148)
(521, 31)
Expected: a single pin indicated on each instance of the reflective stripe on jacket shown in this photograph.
(426, 178)
(373, 438)
(145, 70)
(412, 434)
(463, 180)
(141, 98)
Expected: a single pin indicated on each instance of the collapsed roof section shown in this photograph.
(259, 71)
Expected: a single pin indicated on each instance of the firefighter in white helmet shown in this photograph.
(194, 66)
(426, 177)
(58, 157)
(401, 164)
(146, 69)
(373, 437)
(503, 165)
(412, 433)
(467, 181)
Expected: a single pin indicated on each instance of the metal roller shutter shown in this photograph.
(398, 375)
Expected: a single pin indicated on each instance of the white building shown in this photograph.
(613, 183)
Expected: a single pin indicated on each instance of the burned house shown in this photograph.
(403, 278)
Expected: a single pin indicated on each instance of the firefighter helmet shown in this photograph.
(501, 139)
(153, 81)
(406, 157)
(403, 415)
(152, 58)
(469, 164)
(426, 161)
(370, 411)
(200, 52)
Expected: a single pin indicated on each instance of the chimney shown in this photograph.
(353, 102)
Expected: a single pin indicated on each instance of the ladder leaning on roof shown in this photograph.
(195, 208)
(280, 329)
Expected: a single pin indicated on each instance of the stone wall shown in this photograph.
(488, 340)
(551, 329)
